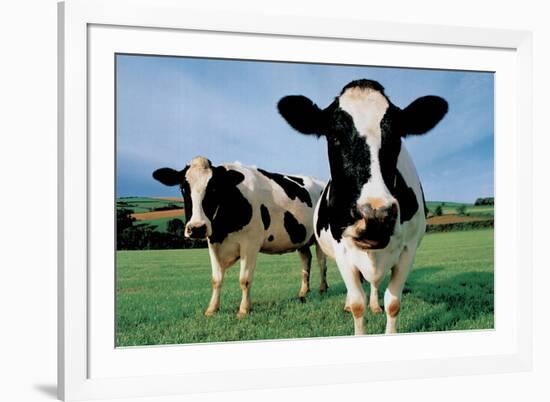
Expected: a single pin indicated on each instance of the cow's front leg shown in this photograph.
(217, 279)
(305, 256)
(392, 296)
(355, 299)
(248, 265)
(347, 304)
(322, 262)
(373, 299)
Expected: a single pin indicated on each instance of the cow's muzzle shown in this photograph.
(376, 228)
(196, 231)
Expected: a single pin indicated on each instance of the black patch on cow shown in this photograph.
(298, 180)
(405, 197)
(187, 202)
(291, 188)
(266, 219)
(270, 238)
(349, 157)
(322, 213)
(390, 145)
(224, 204)
(296, 231)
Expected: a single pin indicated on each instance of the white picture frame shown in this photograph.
(90, 367)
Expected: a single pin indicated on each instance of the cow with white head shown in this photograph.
(241, 211)
(371, 215)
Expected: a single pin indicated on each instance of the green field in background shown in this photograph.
(145, 204)
(451, 207)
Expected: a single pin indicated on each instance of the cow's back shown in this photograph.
(283, 207)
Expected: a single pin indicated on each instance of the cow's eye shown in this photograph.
(211, 191)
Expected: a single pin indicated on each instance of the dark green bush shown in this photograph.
(451, 227)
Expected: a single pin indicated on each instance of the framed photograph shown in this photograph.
(253, 201)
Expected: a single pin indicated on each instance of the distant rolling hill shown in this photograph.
(157, 211)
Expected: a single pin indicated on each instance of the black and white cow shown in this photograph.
(244, 210)
(371, 216)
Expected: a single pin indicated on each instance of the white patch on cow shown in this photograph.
(324, 238)
(198, 175)
(267, 192)
(367, 107)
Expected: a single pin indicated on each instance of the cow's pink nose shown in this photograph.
(380, 213)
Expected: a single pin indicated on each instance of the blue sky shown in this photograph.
(170, 109)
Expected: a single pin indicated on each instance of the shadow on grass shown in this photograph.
(437, 298)
(448, 300)
(423, 273)
(335, 288)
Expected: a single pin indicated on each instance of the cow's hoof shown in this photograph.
(323, 289)
(347, 309)
(302, 294)
(241, 315)
(376, 309)
(209, 313)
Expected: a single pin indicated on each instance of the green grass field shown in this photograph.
(471, 209)
(145, 204)
(161, 295)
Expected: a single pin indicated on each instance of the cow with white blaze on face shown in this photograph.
(371, 215)
(242, 211)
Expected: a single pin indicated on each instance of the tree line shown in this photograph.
(460, 209)
(143, 236)
(485, 201)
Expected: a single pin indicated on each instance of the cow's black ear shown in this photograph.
(302, 114)
(169, 177)
(423, 114)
